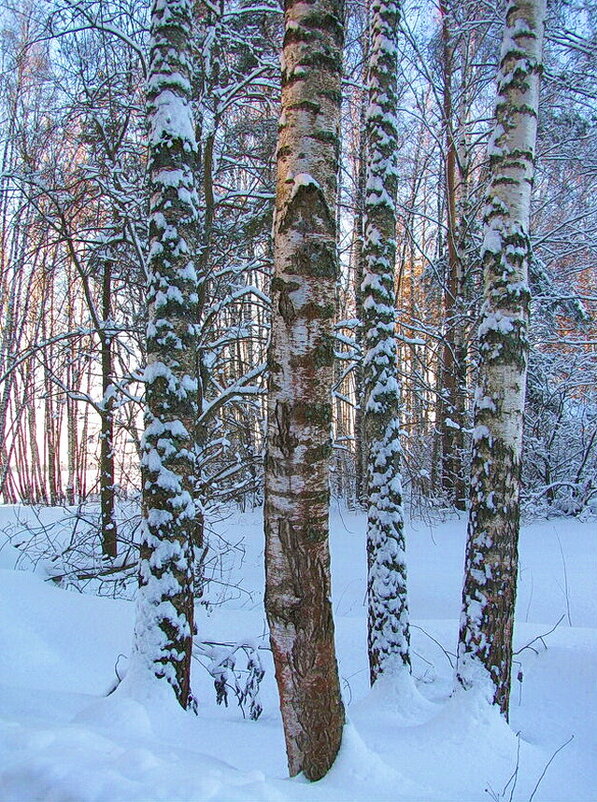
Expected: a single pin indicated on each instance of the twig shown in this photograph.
(424, 659)
(116, 666)
(92, 573)
(498, 796)
(514, 776)
(547, 765)
(540, 637)
(449, 655)
(347, 685)
(225, 645)
(566, 593)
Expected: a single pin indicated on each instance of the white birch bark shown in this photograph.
(485, 644)
(298, 595)
(388, 633)
(172, 523)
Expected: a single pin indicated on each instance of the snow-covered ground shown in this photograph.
(63, 740)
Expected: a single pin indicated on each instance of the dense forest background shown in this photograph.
(263, 265)
(73, 228)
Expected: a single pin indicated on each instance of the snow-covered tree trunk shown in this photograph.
(485, 644)
(164, 628)
(298, 596)
(388, 633)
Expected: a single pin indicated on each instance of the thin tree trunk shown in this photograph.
(107, 477)
(70, 405)
(38, 486)
(359, 270)
(301, 354)
(453, 401)
(485, 644)
(165, 607)
(49, 442)
(83, 453)
(388, 634)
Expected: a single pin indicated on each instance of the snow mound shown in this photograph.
(65, 738)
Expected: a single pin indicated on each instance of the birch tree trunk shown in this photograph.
(164, 626)
(297, 596)
(388, 633)
(485, 643)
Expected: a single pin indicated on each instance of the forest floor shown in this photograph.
(63, 740)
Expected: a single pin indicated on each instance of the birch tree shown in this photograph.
(388, 634)
(301, 353)
(485, 643)
(164, 627)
